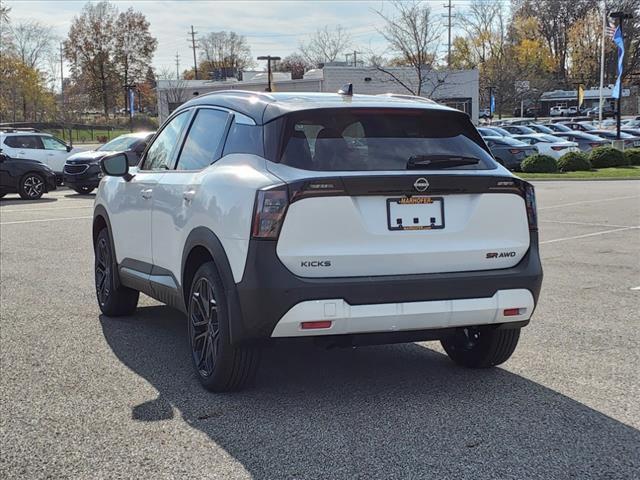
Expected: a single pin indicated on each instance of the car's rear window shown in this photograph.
(347, 139)
(511, 141)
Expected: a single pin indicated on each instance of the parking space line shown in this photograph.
(587, 224)
(41, 209)
(589, 201)
(44, 220)
(604, 232)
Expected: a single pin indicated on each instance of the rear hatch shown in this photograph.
(392, 192)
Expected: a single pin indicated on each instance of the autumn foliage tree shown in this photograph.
(108, 49)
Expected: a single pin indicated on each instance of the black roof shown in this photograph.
(264, 107)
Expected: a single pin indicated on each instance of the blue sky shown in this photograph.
(275, 28)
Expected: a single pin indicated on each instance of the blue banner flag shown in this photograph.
(492, 105)
(618, 40)
(132, 103)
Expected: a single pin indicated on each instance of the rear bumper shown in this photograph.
(337, 317)
(268, 290)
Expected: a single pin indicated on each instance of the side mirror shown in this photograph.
(116, 165)
(69, 148)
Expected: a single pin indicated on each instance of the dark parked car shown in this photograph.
(82, 170)
(580, 126)
(586, 142)
(518, 129)
(536, 127)
(557, 127)
(509, 151)
(528, 112)
(29, 178)
(607, 112)
(630, 141)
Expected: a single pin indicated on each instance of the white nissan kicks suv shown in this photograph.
(354, 219)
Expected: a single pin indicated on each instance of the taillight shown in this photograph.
(595, 144)
(271, 206)
(515, 150)
(530, 203)
(558, 148)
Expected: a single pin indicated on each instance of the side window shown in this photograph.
(203, 144)
(51, 143)
(159, 154)
(24, 141)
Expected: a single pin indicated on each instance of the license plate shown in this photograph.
(415, 213)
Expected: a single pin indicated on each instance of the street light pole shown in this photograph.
(268, 58)
(621, 16)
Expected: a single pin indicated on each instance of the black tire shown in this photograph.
(83, 190)
(31, 186)
(220, 366)
(481, 347)
(114, 299)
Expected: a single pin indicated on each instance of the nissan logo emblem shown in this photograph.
(421, 184)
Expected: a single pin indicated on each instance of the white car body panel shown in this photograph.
(54, 159)
(474, 225)
(394, 317)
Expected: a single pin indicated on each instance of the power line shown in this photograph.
(193, 46)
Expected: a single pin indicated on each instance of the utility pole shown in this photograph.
(61, 76)
(268, 58)
(449, 6)
(193, 46)
(621, 16)
(177, 66)
(355, 57)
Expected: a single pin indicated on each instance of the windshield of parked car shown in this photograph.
(523, 129)
(514, 142)
(350, 139)
(558, 127)
(541, 129)
(119, 144)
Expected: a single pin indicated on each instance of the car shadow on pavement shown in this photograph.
(76, 196)
(401, 411)
(17, 200)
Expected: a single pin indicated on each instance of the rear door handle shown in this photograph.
(147, 193)
(188, 195)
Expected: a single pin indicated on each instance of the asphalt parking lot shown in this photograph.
(85, 396)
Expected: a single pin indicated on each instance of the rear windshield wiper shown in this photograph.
(434, 162)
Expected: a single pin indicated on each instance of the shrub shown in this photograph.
(603, 157)
(573, 162)
(539, 164)
(632, 156)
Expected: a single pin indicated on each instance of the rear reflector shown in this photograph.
(515, 150)
(512, 312)
(315, 325)
(558, 148)
(595, 144)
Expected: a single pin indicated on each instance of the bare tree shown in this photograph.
(32, 42)
(325, 45)
(413, 36)
(225, 50)
(174, 89)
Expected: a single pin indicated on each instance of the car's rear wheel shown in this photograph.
(31, 186)
(83, 190)
(481, 347)
(115, 300)
(220, 366)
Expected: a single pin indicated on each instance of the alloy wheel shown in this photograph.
(103, 271)
(204, 327)
(33, 186)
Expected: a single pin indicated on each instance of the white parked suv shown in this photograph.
(34, 145)
(351, 219)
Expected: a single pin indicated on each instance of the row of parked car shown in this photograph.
(510, 144)
(33, 163)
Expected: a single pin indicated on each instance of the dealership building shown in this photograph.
(455, 88)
